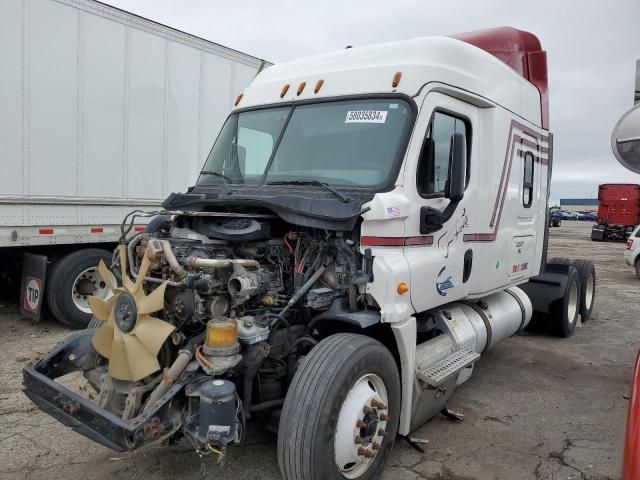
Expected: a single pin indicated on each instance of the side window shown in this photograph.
(527, 181)
(435, 158)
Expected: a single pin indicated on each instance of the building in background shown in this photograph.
(579, 204)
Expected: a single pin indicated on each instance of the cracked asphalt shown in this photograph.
(537, 407)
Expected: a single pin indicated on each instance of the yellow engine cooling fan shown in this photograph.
(129, 336)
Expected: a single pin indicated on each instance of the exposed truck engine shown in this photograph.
(338, 268)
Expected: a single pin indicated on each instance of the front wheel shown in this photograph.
(340, 416)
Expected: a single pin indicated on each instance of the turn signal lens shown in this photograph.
(629, 244)
(402, 288)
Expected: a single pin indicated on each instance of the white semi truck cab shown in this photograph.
(368, 223)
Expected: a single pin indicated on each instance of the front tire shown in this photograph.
(322, 433)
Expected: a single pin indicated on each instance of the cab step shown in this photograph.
(438, 373)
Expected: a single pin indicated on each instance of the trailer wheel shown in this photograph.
(564, 312)
(587, 275)
(340, 415)
(71, 281)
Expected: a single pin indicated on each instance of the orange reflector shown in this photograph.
(318, 86)
(238, 98)
(396, 79)
(402, 288)
(301, 87)
(284, 90)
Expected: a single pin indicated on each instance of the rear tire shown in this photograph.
(62, 286)
(564, 312)
(638, 268)
(317, 432)
(587, 275)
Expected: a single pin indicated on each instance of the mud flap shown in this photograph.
(34, 269)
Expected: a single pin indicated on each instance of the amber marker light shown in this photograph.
(284, 90)
(301, 87)
(396, 79)
(238, 98)
(318, 86)
(402, 288)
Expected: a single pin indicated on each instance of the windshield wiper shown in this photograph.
(227, 180)
(341, 196)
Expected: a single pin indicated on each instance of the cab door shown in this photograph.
(441, 263)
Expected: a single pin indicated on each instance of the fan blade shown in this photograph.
(126, 281)
(118, 362)
(100, 308)
(152, 302)
(103, 339)
(106, 275)
(141, 361)
(152, 332)
(142, 272)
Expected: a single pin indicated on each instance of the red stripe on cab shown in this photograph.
(396, 241)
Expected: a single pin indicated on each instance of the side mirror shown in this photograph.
(625, 140)
(457, 167)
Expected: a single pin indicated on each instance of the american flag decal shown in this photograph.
(393, 211)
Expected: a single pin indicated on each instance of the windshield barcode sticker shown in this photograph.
(366, 116)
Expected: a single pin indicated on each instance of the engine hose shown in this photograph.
(171, 258)
(308, 284)
(170, 376)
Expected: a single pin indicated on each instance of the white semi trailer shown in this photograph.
(103, 112)
(368, 224)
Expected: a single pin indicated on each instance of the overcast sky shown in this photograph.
(592, 46)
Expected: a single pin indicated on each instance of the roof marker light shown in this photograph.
(301, 87)
(284, 90)
(396, 79)
(318, 86)
(238, 98)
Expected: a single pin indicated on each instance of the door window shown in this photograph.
(435, 158)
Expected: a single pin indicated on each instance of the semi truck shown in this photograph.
(618, 211)
(102, 112)
(369, 222)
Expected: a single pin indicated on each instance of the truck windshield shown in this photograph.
(343, 143)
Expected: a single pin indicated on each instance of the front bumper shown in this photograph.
(74, 354)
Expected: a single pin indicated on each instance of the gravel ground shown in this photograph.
(537, 407)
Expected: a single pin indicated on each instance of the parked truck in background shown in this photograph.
(369, 222)
(618, 211)
(102, 112)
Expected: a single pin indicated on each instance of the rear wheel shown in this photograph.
(587, 275)
(564, 312)
(340, 416)
(70, 283)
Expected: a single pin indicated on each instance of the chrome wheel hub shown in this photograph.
(361, 426)
(89, 283)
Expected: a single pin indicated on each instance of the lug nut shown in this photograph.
(383, 417)
(367, 410)
(378, 404)
(366, 453)
(382, 432)
(361, 424)
(376, 446)
(358, 439)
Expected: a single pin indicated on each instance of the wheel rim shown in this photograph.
(590, 291)
(572, 308)
(89, 283)
(361, 426)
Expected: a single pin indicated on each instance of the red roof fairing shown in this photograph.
(521, 51)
